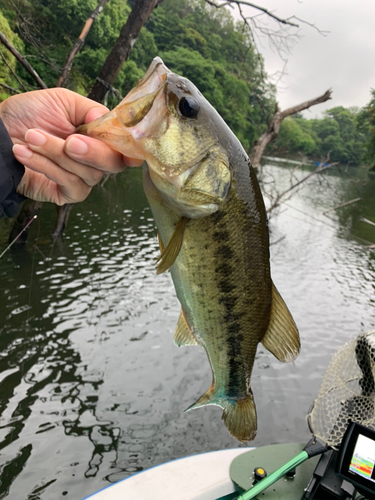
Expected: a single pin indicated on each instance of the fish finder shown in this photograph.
(356, 459)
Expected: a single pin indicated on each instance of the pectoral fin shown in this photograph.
(281, 338)
(170, 252)
(183, 335)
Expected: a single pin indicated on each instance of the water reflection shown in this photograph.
(92, 388)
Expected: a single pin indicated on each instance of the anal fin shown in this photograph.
(183, 335)
(171, 251)
(281, 337)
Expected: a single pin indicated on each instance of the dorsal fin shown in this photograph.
(281, 337)
(183, 335)
(170, 252)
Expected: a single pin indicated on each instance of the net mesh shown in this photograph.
(347, 393)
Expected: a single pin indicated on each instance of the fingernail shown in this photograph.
(22, 151)
(76, 146)
(35, 138)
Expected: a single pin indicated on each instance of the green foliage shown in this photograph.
(336, 136)
(9, 66)
(196, 40)
(206, 46)
(366, 124)
(293, 139)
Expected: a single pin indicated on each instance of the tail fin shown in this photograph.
(240, 416)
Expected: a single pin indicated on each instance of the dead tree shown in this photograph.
(274, 126)
(79, 43)
(120, 52)
(118, 55)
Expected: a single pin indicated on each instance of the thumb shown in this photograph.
(95, 112)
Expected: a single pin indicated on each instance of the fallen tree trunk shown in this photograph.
(274, 126)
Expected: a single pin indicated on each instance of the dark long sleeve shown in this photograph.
(11, 172)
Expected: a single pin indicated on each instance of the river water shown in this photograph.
(92, 388)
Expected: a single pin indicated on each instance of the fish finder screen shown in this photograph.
(363, 459)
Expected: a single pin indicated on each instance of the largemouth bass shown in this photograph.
(213, 233)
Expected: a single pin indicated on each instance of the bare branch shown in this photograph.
(79, 43)
(23, 61)
(258, 7)
(27, 27)
(280, 39)
(342, 205)
(228, 3)
(15, 91)
(294, 186)
(274, 126)
(306, 105)
(12, 71)
(321, 32)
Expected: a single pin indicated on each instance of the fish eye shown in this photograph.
(188, 107)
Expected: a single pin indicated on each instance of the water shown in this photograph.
(92, 388)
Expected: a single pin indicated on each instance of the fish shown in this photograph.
(213, 234)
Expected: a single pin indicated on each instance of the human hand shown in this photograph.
(60, 167)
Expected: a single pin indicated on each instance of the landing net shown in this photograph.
(347, 393)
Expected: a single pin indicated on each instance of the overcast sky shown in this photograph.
(343, 60)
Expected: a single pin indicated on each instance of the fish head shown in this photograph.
(166, 121)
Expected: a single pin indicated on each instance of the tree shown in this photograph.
(336, 135)
(366, 125)
(8, 76)
(274, 126)
(120, 51)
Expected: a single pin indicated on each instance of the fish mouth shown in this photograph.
(130, 121)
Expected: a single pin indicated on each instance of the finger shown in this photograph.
(95, 112)
(52, 148)
(132, 162)
(95, 153)
(56, 184)
(79, 109)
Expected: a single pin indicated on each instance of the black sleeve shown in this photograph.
(11, 172)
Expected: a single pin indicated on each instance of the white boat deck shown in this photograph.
(200, 477)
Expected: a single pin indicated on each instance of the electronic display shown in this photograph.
(356, 460)
(363, 459)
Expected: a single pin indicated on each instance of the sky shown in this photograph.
(343, 60)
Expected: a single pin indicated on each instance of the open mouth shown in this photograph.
(131, 120)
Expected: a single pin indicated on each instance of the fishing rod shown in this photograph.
(16, 238)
